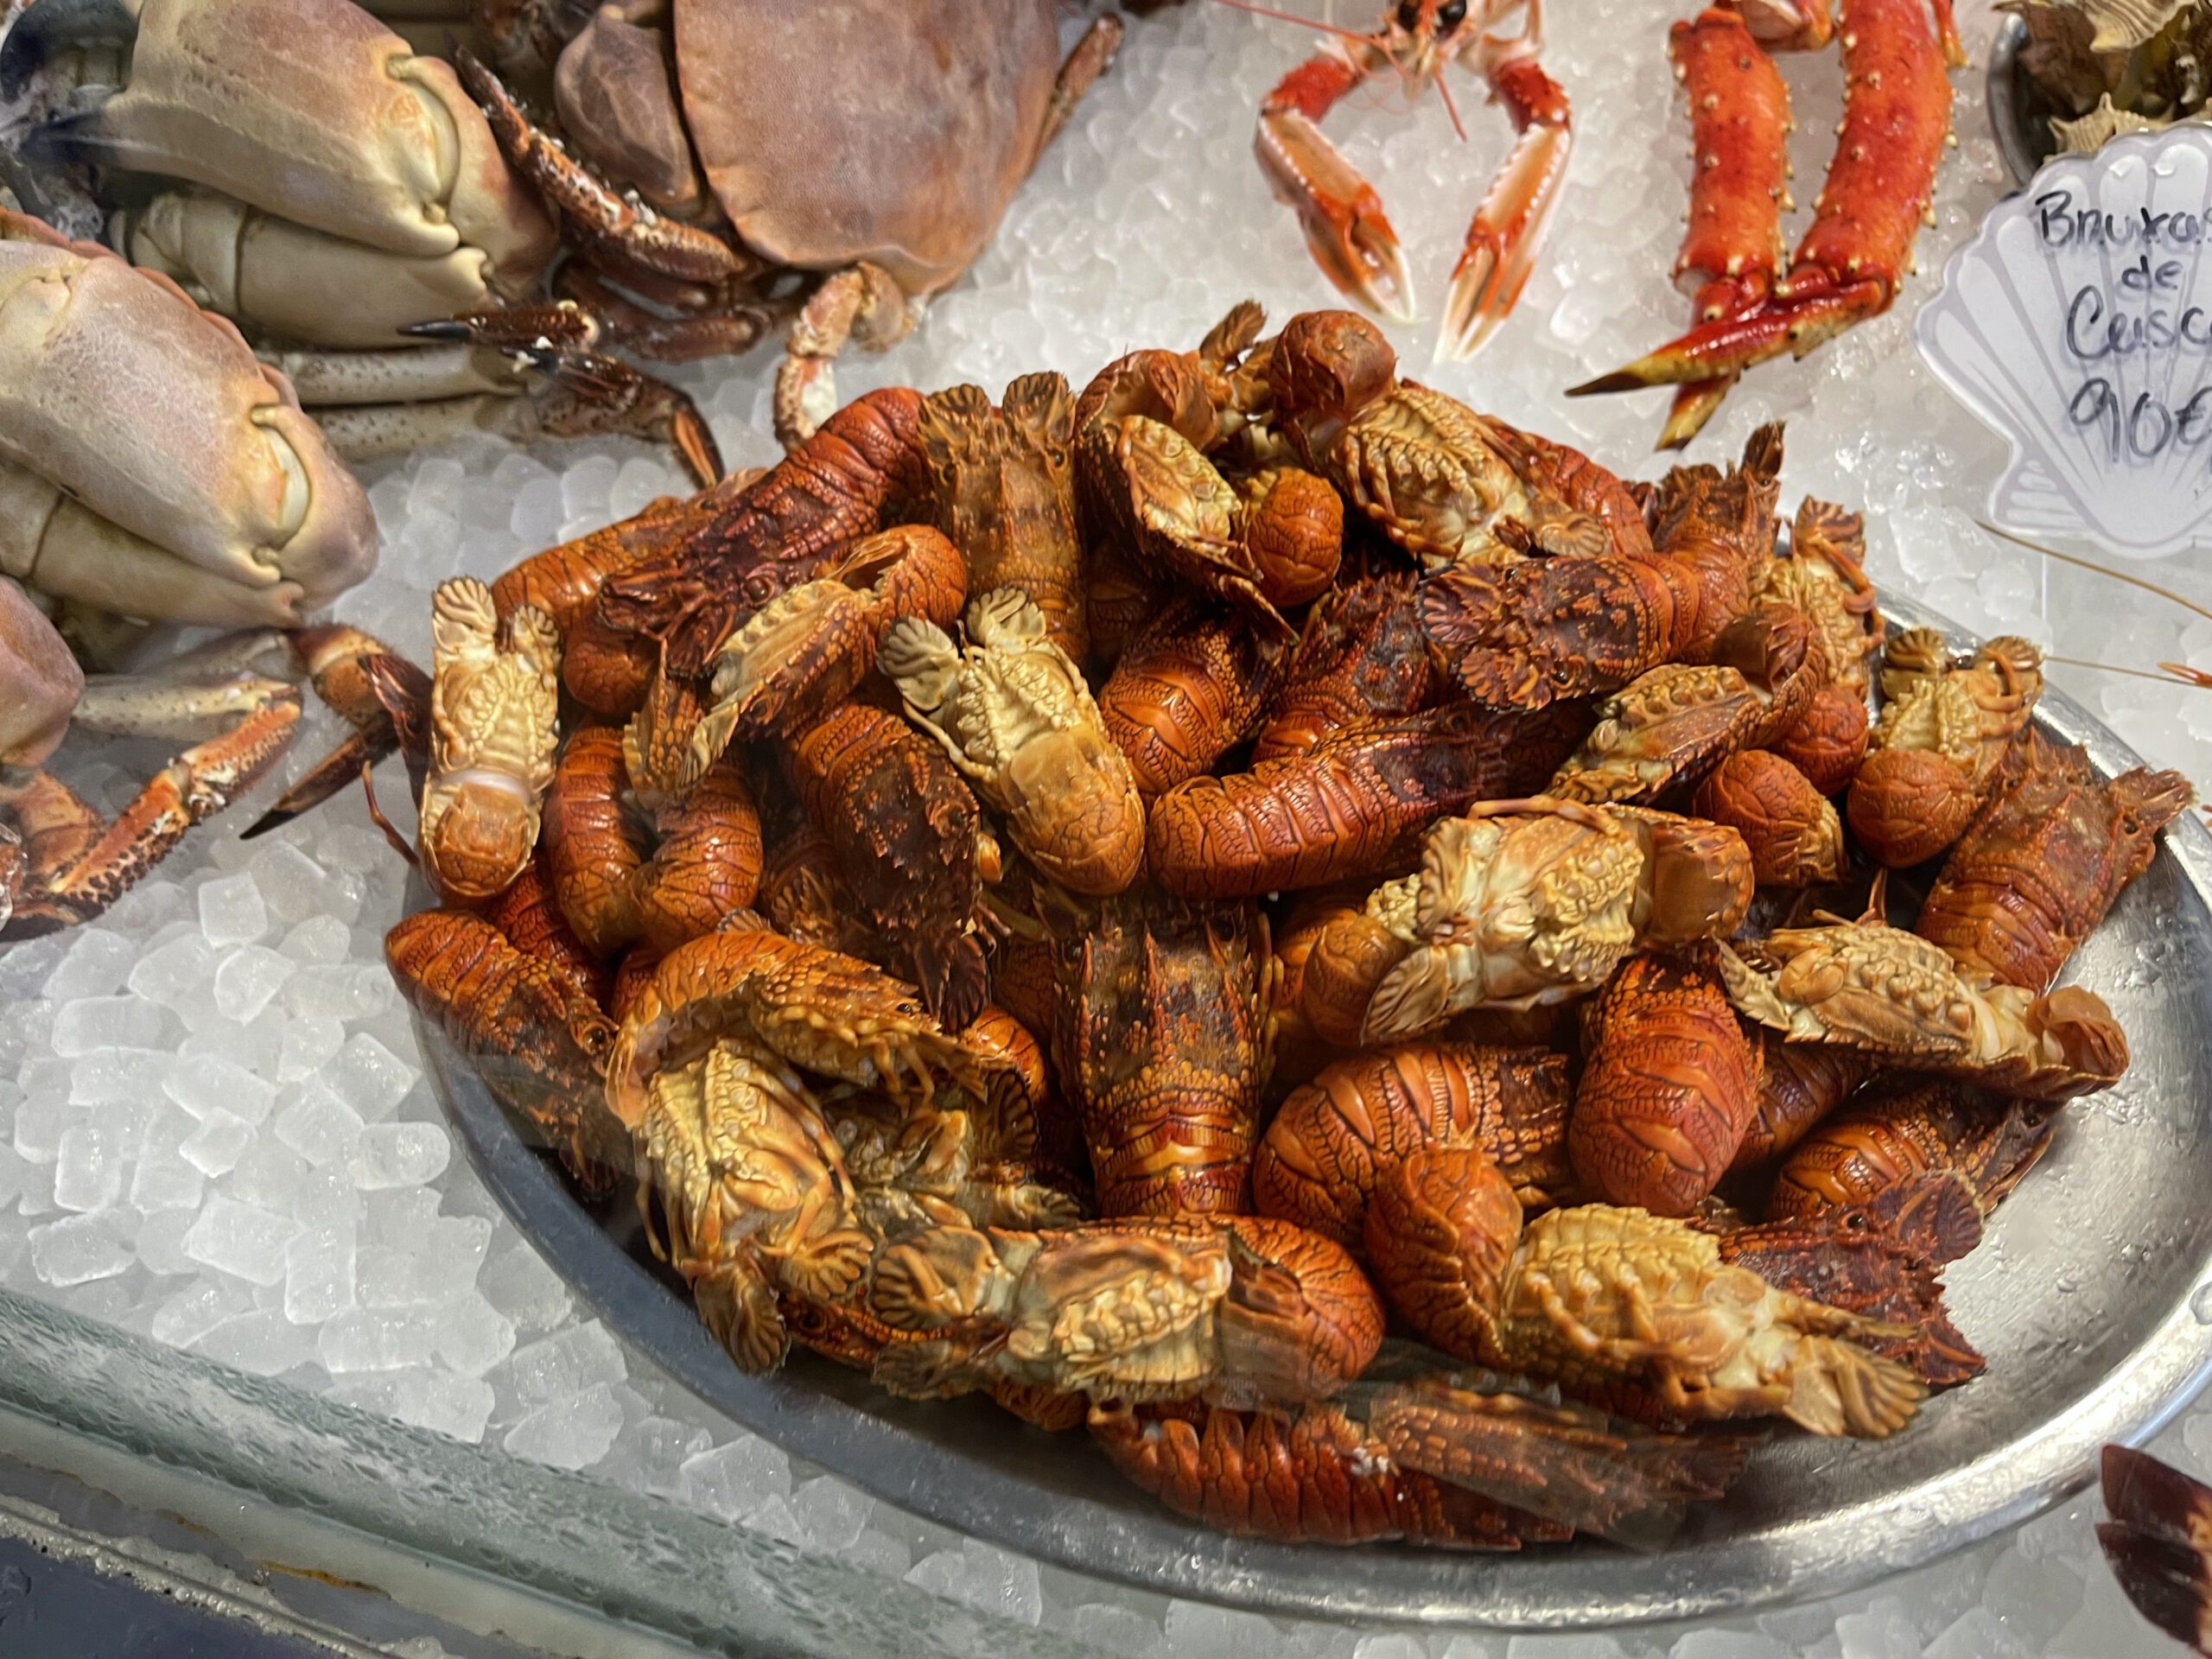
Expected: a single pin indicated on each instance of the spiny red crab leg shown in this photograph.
(1739, 145)
(1346, 230)
(1896, 123)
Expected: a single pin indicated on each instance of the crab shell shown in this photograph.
(892, 133)
(40, 681)
(149, 465)
(360, 189)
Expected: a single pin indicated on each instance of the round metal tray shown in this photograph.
(2082, 1296)
(2025, 142)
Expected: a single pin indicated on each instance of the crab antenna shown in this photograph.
(2091, 564)
(2176, 674)
(1444, 92)
(1292, 17)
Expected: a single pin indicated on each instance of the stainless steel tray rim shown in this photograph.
(999, 1491)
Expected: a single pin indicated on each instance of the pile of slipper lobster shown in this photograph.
(1258, 911)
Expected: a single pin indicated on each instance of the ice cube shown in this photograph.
(248, 977)
(318, 942)
(263, 1342)
(319, 1126)
(571, 1431)
(90, 1022)
(1118, 1629)
(172, 975)
(659, 1447)
(216, 1146)
(400, 1154)
(206, 1083)
(319, 1271)
(735, 1479)
(1727, 1644)
(163, 1179)
(231, 911)
(196, 1310)
(1197, 1631)
(344, 991)
(12, 1172)
(42, 1119)
(78, 1249)
(519, 1284)
(96, 963)
(832, 1515)
(989, 1579)
(1975, 1633)
(456, 1406)
(378, 1339)
(1884, 1630)
(296, 887)
(107, 1076)
(271, 1175)
(370, 1077)
(309, 1044)
(1397, 1646)
(161, 1242)
(88, 1172)
(400, 1219)
(473, 1335)
(241, 1239)
(439, 1263)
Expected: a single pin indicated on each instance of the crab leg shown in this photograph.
(1346, 230)
(78, 869)
(1896, 119)
(1739, 131)
(1508, 229)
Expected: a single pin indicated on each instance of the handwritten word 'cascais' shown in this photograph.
(2093, 332)
(2062, 224)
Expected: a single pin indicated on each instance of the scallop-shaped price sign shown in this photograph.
(2078, 323)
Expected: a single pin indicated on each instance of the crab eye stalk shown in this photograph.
(1409, 15)
(1450, 16)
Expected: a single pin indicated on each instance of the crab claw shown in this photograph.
(2157, 1541)
(1346, 230)
(1508, 230)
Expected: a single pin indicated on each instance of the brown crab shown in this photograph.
(2037, 869)
(1160, 1040)
(739, 177)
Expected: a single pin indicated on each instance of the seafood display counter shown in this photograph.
(273, 1259)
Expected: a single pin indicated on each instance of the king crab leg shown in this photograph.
(1897, 122)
